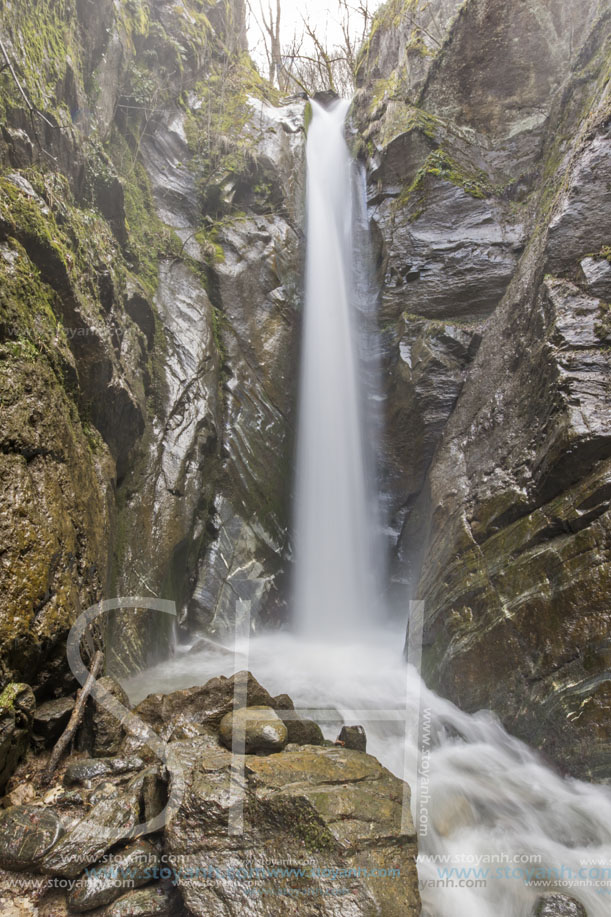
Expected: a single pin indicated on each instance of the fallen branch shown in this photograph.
(76, 717)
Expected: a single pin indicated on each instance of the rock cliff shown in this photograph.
(485, 128)
(150, 195)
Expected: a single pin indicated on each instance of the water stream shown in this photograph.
(482, 800)
(335, 543)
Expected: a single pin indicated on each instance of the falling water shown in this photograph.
(491, 803)
(334, 544)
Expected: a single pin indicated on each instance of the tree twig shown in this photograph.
(76, 717)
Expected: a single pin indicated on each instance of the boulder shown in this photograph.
(27, 833)
(51, 718)
(300, 731)
(17, 706)
(303, 731)
(253, 729)
(353, 737)
(327, 809)
(134, 866)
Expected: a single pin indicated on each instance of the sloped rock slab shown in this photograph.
(330, 815)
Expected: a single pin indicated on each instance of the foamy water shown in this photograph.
(491, 798)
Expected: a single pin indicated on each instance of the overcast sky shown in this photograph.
(324, 14)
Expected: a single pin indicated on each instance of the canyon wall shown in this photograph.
(485, 127)
(150, 196)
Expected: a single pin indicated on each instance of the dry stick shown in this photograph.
(77, 715)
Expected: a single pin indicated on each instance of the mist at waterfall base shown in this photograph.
(481, 800)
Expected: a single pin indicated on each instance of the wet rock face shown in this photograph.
(488, 193)
(212, 481)
(145, 339)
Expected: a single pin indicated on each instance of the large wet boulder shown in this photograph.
(327, 810)
(17, 707)
(253, 729)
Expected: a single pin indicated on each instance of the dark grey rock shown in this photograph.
(90, 769)
(151, 785)
(52, 717)
(597, 275)
(353, 737)
(27, 833)
(302, 731)
(102, 733)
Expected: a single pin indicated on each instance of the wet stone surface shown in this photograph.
(91, 768)
(27, 833)
(253, 729)
(128, 869)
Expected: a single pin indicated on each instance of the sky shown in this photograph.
(324, 14)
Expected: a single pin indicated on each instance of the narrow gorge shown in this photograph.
(314, 394)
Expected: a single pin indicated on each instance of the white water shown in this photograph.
(490, 796)
(334, 579)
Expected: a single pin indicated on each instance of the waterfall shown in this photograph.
(335, 543)
(492, 808)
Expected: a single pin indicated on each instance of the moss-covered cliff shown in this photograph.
(148, 265)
